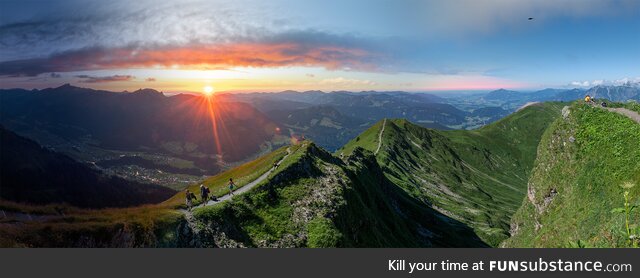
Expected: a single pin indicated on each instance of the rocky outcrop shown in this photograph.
(325, 178)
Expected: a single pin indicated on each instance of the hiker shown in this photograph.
(231, 185)
(275, 165)
(587, 99)
(204, 194)
(190, 197)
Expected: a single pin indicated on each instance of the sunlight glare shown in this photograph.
(208, 90)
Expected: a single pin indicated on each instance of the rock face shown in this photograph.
(565, 112)
(553, 149)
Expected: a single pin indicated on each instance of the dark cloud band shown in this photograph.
(248, 54)
(102, 79)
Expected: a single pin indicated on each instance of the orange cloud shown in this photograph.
(201, 57)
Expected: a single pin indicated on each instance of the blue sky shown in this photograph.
(327, 45)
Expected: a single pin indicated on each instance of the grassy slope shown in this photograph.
(478, 177)
(241, 175)
(154, 225)
(145, 226)
(586, 175)
(317, 200)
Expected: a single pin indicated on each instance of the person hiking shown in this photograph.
(204, 194)
(213, 197)
(231, 186)
(190, 197)
(587, 99)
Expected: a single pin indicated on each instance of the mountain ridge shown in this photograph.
(484, 170)
(334, 203)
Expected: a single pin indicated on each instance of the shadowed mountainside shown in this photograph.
(32, 174)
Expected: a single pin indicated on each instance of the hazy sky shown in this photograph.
(327, 45)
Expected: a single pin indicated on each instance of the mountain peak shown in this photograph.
(65, 86)
(68, 86)
(147, 91)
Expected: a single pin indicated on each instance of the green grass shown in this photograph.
(323, 233)
(241, 175)
(367, 140)
(586, 175)
(478, 177)
(145, 226)
(307, 205)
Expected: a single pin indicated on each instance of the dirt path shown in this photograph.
(384, 123)
(624, 111)
(245, 188)
(527, 105)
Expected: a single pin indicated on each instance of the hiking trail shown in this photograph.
(384, 123)
(242, 189)
(626, 112)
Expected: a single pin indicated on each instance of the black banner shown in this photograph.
(319, 262)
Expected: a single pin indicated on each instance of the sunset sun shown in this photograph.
(207, 90)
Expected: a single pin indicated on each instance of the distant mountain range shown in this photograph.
(620, 93)
(330, 119)
(629, 91)
(144, 119)
(178, 131)
(324, 124)
(369, 105)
